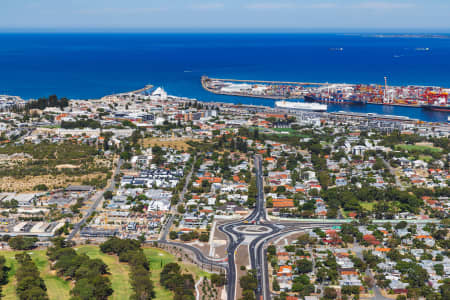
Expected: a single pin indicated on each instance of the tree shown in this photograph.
(304, 266)
(439, 268)
(204, 237)
(181, 209)
(445, 289)
(249, 283)
(22, 243)
(272, 250)
(173, 235)
(40, 187)
(401, 225)
(182, 284)
(322, 274)
(324, 179)
(275, 285)
(379, 164)
(130, 251)
(248, 295)
(218, 279)
(108, 195)
(83, 290)
(29, 284)
(330, 293)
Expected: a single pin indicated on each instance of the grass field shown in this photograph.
(290, 130)
(119, 271)
(158, 258)
(426, 158)
(59, 289)
(420, 148)
(367, 205)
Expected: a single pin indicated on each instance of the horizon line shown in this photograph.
(343, 30)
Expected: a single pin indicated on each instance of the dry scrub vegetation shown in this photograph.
(176, 143)
(52, 165)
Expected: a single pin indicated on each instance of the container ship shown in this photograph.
(301, 105)
(443, 108)
(437, 101)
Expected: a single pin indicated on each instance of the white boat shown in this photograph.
(301, 105)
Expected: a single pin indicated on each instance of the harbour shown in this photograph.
(425, 97)
(99, 71)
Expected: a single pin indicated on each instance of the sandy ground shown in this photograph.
(385, 294)
(220, 243)
(287, 240)
(176, 143)
(202, 246)
(26, 184)
(67, 166)
(208, 296)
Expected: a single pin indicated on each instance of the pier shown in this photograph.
(205, 78)
(145, 88)
(278, 90)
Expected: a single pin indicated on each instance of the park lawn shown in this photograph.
(158, 258)
(119, 271)
(426, 158)
(367, 205)
(290, 130)
(343, 212)
(57, 288)
(418, 148)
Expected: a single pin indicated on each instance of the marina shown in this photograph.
(426, 97)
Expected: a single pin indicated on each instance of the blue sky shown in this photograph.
(212, 15)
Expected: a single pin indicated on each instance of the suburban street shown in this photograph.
(257, 246)
(259, 239)
(168, 224)
(97, 198)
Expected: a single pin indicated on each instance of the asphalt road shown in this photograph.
(169, 222)
(257, 249)
(256, 245)
(199, 256)
(398, 183)
(97, 198)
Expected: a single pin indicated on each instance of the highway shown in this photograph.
(97, 198)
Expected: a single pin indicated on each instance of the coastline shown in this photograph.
(262, 107)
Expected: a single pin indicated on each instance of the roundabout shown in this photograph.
(252, 229)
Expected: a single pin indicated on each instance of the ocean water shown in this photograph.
(92, 65)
